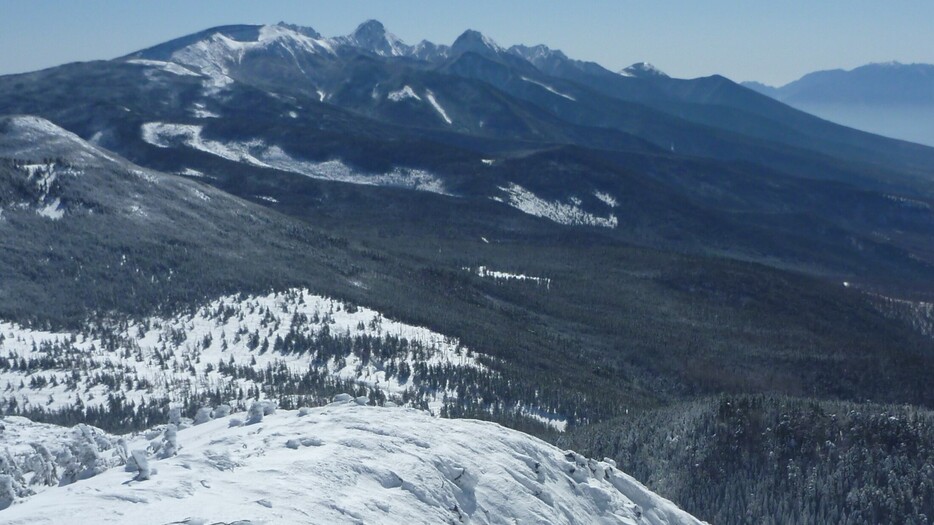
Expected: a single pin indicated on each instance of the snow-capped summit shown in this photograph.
(472, 41)
(341, 463)
(303, 30)
(537, 53)
(429, 51)
(219, 54)
(372, 36)
(643, 70)
(28, 136)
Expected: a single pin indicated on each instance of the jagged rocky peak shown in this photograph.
(430, 51)
(371, 29)
(372, 36)
(537, 53)
(303, 30)
(472, 41)
(643, 70)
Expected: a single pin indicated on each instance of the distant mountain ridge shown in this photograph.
(889, 98)
(886, 83)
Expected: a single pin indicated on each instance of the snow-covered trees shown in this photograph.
(255, 415)
(203, 415)
(7, 494)
(141, 463)
(169, 441)
(43, 466)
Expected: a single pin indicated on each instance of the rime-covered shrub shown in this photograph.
(203, 415)
(169, 442)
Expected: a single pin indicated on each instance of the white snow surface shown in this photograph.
(52, 210)
(258, 153)
(174, 357)
(483, 271)
(402, 94)
(30, 136)
(213, 56)
(560, 212)
(437, 106)
(43, 177)
(170, 67)
(199, 111)
(642, 70)
(549, 88)
(607, 199)
(345, 463)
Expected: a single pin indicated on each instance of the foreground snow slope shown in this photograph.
(345, 463)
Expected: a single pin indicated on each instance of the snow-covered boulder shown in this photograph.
(348, 463)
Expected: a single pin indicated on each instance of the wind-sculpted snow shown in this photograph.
(257, 153)
(560, 212)
(37, 456)
(346, 463)
(227, 347)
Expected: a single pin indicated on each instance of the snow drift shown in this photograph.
(348, 463)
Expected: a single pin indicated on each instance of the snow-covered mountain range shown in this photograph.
(257, 213)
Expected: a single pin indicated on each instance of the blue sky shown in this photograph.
(774, 42)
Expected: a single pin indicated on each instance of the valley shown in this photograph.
(261, 214)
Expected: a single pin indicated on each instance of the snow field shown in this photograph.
(560, 212)
(257, 153)
(346, 463)
(483, 271)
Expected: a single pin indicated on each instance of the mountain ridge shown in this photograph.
(889, 98)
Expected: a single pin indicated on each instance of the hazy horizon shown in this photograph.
(773, 44)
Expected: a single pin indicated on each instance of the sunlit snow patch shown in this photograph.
(607, 199)
(30, 136)
(200, 111)
(483, 271)
(402, 94)
(549, 88)
(258, 153)
(52, 210)
(562, 213)
(170, 67)
(437, 106)
(213, 56)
